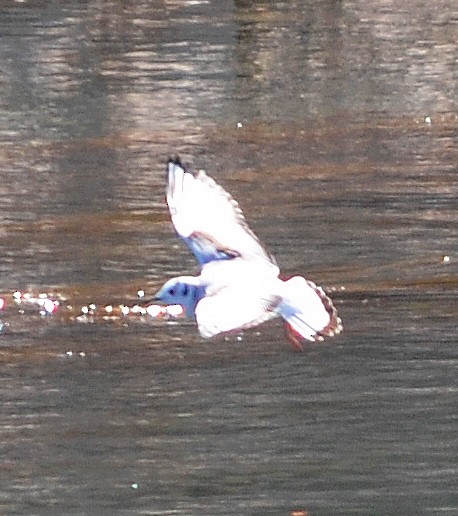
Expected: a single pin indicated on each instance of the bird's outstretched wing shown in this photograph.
(209, 219)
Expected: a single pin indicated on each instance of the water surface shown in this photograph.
(335, 126)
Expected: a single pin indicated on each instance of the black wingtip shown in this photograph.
(175, 160)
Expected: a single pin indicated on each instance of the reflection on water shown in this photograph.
(334, 124)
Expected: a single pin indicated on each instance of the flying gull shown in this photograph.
(239, 285)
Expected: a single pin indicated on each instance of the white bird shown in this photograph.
(239, 285)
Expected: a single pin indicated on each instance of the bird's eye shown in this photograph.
(172, 291)
(185, 290)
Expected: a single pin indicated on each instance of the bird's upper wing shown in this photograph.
(234, 309)
(209, 219)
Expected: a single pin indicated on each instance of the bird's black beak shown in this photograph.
(146, 302)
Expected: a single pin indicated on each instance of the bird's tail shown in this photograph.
(308, 312)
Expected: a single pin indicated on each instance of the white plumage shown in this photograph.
(238, 286)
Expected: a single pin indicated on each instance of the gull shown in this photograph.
(239, 285)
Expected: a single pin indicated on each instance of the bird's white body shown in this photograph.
(238, 286)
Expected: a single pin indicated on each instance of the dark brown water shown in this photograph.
(335, 125)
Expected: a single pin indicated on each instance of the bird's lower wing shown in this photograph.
(234, 309)
(308, 312)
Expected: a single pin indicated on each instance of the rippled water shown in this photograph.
(335, 126)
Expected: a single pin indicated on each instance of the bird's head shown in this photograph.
(181, 291)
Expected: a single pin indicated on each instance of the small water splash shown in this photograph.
(51, 304)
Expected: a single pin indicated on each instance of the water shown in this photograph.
(335, 127)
